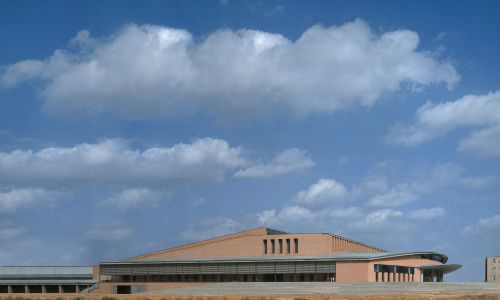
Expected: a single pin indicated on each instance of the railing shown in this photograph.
(90, 289)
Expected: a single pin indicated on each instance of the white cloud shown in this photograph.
(14, 199)
(323, 191)
(288, 161)
(486, 226)
(376, 220)
(433, 178)
(479, 182)
(209, 228)
(470, 111)
(154, 71)
(112, 161)
(291, 213)
(349, 213)
(427, 213)
(103, 232)
(10, 232)
(322, 202)
(485, 142)
(425, 180)
(136, 198)
(393, 198)
(266, 216)
(198, 202)
(295, 213)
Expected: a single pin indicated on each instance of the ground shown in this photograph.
(296, 291)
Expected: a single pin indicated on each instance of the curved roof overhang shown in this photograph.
(382, 255)
(443, 268)
(335, 257)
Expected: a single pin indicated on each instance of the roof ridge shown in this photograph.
(209, 240)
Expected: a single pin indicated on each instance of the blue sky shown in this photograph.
(127, 127)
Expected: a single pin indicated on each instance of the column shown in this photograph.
(77, 289)
(9, 289)
(44, 289)
(26, 289)
(60, 289)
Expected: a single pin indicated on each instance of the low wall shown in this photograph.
(107, 287)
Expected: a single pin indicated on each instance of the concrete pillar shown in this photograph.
(77, 289)
(44, 289)
(60, 289)
(26, 289)
(384, 276)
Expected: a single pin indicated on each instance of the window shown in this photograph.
(288, 246)
(296, 245)
(273, 247)
(433, 257)
(281, 245)
(265, 246)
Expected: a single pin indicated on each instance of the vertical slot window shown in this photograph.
(296, 245)
(280, 241)
(265, 246)
(273, 247)
(287, 246)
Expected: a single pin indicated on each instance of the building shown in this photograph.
(492, 269)
(45, 279)
(263, 254)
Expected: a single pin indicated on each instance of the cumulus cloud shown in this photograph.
(485, 142)
(10, 232)
(266, 216)
(393, 198)
(479, 182)
(479, 112)
(136, 198)
(427, 213)
(376, 220)
(424, 181)
(323, 191)
(153, 71)
(291, 213)
(288, 161)
(14, 199)
(208, 228)
(197, 203)
(489, 226)
(103, 232)
(113, 161)
(318, 203)
(378, 203)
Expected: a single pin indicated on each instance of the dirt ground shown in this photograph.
(478, 295)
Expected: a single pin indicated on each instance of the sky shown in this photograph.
(133, 126)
